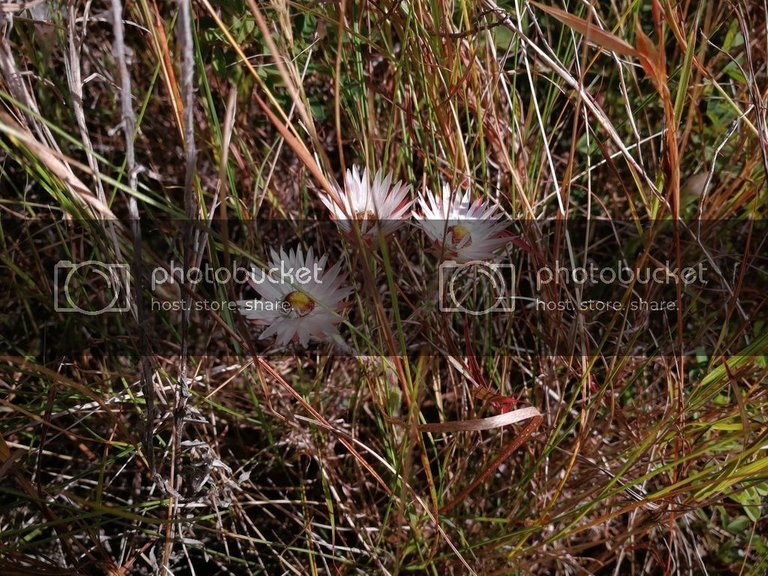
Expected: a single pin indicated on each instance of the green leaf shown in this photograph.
(738, 525)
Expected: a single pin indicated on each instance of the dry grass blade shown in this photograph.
(650, 59)
(58, 164)
(591, 32)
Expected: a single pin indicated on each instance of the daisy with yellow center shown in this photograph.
(298, 304)
(300, 298)
(462, 230)
(378, 206)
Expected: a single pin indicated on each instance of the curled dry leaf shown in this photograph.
(497, 421)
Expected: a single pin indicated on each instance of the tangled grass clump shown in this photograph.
(555, 367)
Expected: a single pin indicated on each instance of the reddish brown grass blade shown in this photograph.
(591, 32)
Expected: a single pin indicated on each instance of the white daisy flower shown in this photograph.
(462, 230)
(300, 298)
(377, 205)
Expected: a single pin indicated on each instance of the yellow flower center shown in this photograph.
(460, 236)
(300, 303)
(365, 215)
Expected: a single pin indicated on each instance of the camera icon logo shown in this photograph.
(91, 287)
(476, 288)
